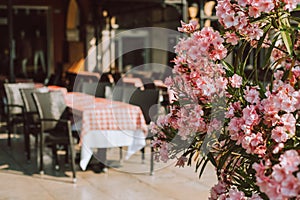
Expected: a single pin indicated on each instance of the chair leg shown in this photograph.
(27, 142)
(71, 145)
(27, 145)
(36, 141)
(121, 153)
(143, 155)
(41, 153)
(9, 131)
(73, 163)
(152, 161)
(67, 154)
(55, 157)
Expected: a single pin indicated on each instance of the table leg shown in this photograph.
(101, 157)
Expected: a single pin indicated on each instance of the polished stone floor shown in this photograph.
(129, 179)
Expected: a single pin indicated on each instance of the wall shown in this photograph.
(56, 26)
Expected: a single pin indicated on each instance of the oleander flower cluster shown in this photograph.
(242, 115)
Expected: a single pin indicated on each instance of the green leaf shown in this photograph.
(296, 19)
(258, 50)
(262, 90)
(240, 61)
(286, 75)
(274, 23)
(284, 31)
(269, 52)
(225, 157)
(287, 41)
(199, 162)
(229, 68)
(203, 167)
(211, 158)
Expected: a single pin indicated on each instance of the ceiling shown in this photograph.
(116, 7)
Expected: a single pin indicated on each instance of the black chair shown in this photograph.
(3, 101)
(14, 105)
(89, 88)
(128, 91)
(96, 89)
(117, 93)
(55, 126)
(147, 100)
(54, 79)
(31, 118)
(101, 89)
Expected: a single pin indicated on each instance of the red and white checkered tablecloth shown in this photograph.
(104, 114)
(57, 88)
(79, 101)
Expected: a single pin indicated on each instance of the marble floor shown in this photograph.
(129, 179)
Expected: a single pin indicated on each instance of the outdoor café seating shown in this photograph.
(55, 131)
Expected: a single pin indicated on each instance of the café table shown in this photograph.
(59, 88)
(106, 124)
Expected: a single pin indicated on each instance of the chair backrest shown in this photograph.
(13, 95)
(116, 93)
(121, 93)
(54, 79)
(89, 88)
(50, 105)
(128, 91)
(147, 100)
(95, 89)
(101, 89)
(26, 94)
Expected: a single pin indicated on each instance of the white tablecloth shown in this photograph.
(133, 139)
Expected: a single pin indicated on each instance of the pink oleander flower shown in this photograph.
(289, 123)
(243, 3)
(286, 97)
(169, 82)
(254, 11)
(231, 38)
(281, 183)
(236, 81)
(296, 71)
(255, 197)
(290, 161)
(271, 106)
(279, 173)
(265, 6)
(164, 154)
(181, 161)
(251, 116)
(253, 32)
(279, 134)
(235, 125)
(153, 127)
(230, 112)
(278, 148)
(254, 144)
(234, 194)
(217, 190)
(296, 95)
(259, 168)
(215, 125)
(230, 21)
(188, 28)
(278, 75)
(252, 95)
(243, 120)
(290, 186)
(163, 120)
(291, 4)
